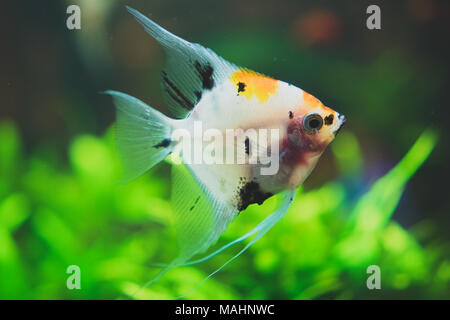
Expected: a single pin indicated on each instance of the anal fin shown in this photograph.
(259, 231)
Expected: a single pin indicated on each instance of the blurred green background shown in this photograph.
(378, 196)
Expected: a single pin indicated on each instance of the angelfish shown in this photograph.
(200, 86)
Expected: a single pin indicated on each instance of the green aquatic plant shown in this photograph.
(53, 215)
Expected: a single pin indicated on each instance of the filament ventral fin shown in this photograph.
(200, 215)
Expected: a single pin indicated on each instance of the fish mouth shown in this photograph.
(342, 119)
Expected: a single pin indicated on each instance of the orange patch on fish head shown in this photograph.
(312, 102)
(249, 83)
(315, 124)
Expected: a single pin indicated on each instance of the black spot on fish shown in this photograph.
(342, 118)
(206, 73)
(175, 93)
(195, 202)
(251, 193)
(164, 143)
(241, 87)
(329, 119)
(291, 115)
(198, 94)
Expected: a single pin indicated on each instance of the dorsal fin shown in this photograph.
(191, 69)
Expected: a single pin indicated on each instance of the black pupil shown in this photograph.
(314, 123)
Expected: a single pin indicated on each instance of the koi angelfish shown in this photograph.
(202, 89)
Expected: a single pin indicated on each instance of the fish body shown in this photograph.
(252, 101)
(205, 91)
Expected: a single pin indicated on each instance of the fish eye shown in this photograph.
(312, 123)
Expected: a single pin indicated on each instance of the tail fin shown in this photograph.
(142, 135)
